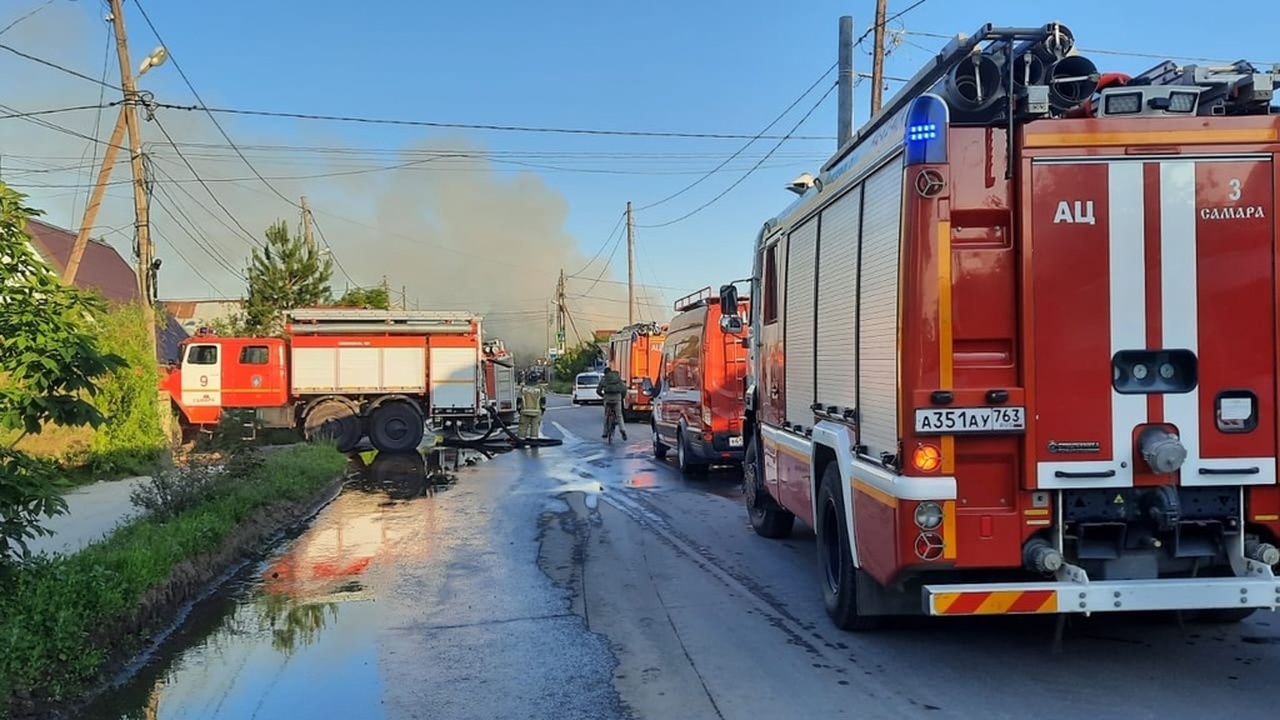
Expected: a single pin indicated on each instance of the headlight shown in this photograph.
(928, 515)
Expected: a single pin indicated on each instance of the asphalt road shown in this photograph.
(592, 581)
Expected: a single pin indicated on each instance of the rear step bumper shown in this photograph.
(1259, 590)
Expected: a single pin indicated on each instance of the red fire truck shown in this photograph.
(343, 373)
(635, 351)
(500, 380)
(1015, 348)
(697, 401)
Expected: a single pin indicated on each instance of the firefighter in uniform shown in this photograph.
(612, 387)
(532, 400)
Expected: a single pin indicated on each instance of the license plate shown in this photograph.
(970, 420)
(735, 441)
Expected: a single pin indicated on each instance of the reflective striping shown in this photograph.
(1006, 602)
(949, 530)
(875, 493)
(946, 354)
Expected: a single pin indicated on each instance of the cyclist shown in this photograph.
(612, 388)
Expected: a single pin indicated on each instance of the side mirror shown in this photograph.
(731, 324)
(728, 299)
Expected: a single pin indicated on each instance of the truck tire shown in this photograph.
(837, 574)
(396, 427)
(660, 450)
(767, 518)
(335, 421)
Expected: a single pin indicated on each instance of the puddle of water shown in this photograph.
(295, 634)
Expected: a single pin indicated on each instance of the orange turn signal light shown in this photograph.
(927, 458)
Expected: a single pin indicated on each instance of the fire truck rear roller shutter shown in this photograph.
(798, 323)
(878, 305)
(838, 301)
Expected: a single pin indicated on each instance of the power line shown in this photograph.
(181, 73)
(477, 126)
(28, 14)
(605, 244)
(888, 20)
(56, 66)
(332, 254)
(748, 144)
(203, 184)
(16, 115)
(748, 173)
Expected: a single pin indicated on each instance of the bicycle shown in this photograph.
(611, 422)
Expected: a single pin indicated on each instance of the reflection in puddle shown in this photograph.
(295, 635)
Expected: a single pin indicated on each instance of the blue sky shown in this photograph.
(661, 65)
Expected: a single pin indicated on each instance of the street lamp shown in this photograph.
(155, 59)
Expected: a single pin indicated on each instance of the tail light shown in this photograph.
(926, 458)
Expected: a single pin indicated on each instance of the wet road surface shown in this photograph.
(591, 581)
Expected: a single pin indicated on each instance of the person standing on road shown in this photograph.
(612, 387)
(532, 401)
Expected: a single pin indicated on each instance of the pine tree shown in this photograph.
(286, 274)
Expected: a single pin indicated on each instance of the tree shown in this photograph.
(577, 360)
(50, 363)
(286, 274)
(375, 297)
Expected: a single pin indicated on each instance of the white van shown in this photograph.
(584, 388)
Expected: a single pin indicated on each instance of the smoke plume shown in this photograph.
(432, 218)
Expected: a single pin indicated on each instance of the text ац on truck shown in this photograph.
(1015, 347)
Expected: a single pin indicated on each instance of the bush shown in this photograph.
(53, 610)
(133, 440)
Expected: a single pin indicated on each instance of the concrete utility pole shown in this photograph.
(877, 62)
(844, 84)
(561, 311)
(130, 107)
(306, 224)
(631, 266)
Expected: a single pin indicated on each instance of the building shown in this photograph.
(192, 314)
(104, 270)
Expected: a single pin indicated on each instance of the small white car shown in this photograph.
(584, 388)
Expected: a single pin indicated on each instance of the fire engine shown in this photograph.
(340, 373)
(1015, 347)
(697, 401)
(500, 380)
(635, 351)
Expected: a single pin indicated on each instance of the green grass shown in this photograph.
(563, 387)
(51, 609)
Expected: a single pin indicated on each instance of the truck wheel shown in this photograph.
(767, 519)
(396, 427)
(835, 561)
(333, 421)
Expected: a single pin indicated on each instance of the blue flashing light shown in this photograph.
(926, 137)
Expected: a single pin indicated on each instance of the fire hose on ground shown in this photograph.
(486, 443)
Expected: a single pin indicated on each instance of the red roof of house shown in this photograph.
(101, 267)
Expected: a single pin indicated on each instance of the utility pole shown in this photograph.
(306, 224)
(561, 311)
(844, 84)
(142, 217)
(95, 200)
(631, 266)
(877, 61)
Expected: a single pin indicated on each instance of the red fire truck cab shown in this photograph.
(1015, 348)
(697, 391)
